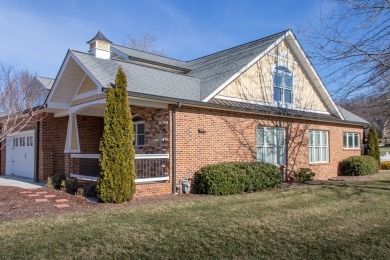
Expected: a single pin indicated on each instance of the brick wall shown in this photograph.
(231, 136)
(52, 136)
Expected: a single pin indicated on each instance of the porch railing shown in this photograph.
(149, 167)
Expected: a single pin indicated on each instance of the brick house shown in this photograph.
(262, 101)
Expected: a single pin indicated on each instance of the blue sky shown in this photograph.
(37, 34)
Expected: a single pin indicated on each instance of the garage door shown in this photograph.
(20, 154)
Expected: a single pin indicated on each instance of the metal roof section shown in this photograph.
(147, 57)
(274, 110)
(349, 116)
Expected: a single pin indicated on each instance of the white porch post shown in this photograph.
(72, 144)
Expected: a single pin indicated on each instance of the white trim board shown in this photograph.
(146, 180)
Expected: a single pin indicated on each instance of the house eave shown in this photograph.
(199, 104)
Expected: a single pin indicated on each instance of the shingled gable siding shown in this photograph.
(256, 83)
(231, 136)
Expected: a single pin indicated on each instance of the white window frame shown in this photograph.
(347, 144)
(136, 134)
(312, 146)
(283, 87)
(275, 145)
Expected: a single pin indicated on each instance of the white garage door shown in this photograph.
(20, 154)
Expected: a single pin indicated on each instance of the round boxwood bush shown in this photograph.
(237, 177)
(359, 165)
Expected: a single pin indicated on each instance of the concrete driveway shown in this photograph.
(20, 182)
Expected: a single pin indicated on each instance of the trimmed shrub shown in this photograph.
(359, 165)
(57, 180)
(89, 189)
(385, 165)
(237, 177)
(373, 144)
(304, 175)
(71, 185)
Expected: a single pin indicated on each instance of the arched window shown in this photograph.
(283, 85)
(139, 131)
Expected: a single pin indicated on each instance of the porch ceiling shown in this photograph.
(96, 110)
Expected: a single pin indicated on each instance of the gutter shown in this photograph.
(178, 106)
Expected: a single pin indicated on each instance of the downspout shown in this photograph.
(174, 147)
(36, 171)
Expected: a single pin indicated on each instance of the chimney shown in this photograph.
(99, 46)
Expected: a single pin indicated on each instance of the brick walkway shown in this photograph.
(46, 197)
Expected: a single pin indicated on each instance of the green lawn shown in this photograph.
(329, 221)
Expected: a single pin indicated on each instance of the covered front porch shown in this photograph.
(151, 144)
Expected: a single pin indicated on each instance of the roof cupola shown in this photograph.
(99, 46)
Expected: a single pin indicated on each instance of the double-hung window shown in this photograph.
(270, 142)
(351, 140)
(283, 86)
(318, 146)
(139, 131)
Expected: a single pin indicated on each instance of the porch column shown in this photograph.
(72, 144)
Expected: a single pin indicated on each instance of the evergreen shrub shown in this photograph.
(237, 177)
(359, 165)
(116, 181)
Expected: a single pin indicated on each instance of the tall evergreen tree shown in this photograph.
(373, 144)
(116, 182)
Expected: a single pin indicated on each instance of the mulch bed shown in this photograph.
(17, 205)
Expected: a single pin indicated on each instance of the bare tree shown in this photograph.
(352, 48)
(145, 42)
(17, 101)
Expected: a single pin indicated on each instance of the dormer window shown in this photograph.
(283, 86)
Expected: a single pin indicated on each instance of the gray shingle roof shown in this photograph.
(204, 76)
(217, 68)
(132, 53)
(351, 117)
(47, 83)
(142, 79)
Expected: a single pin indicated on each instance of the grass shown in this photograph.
(315, 221)
(384, 149)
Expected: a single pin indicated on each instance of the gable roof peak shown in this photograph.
(99, 37)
